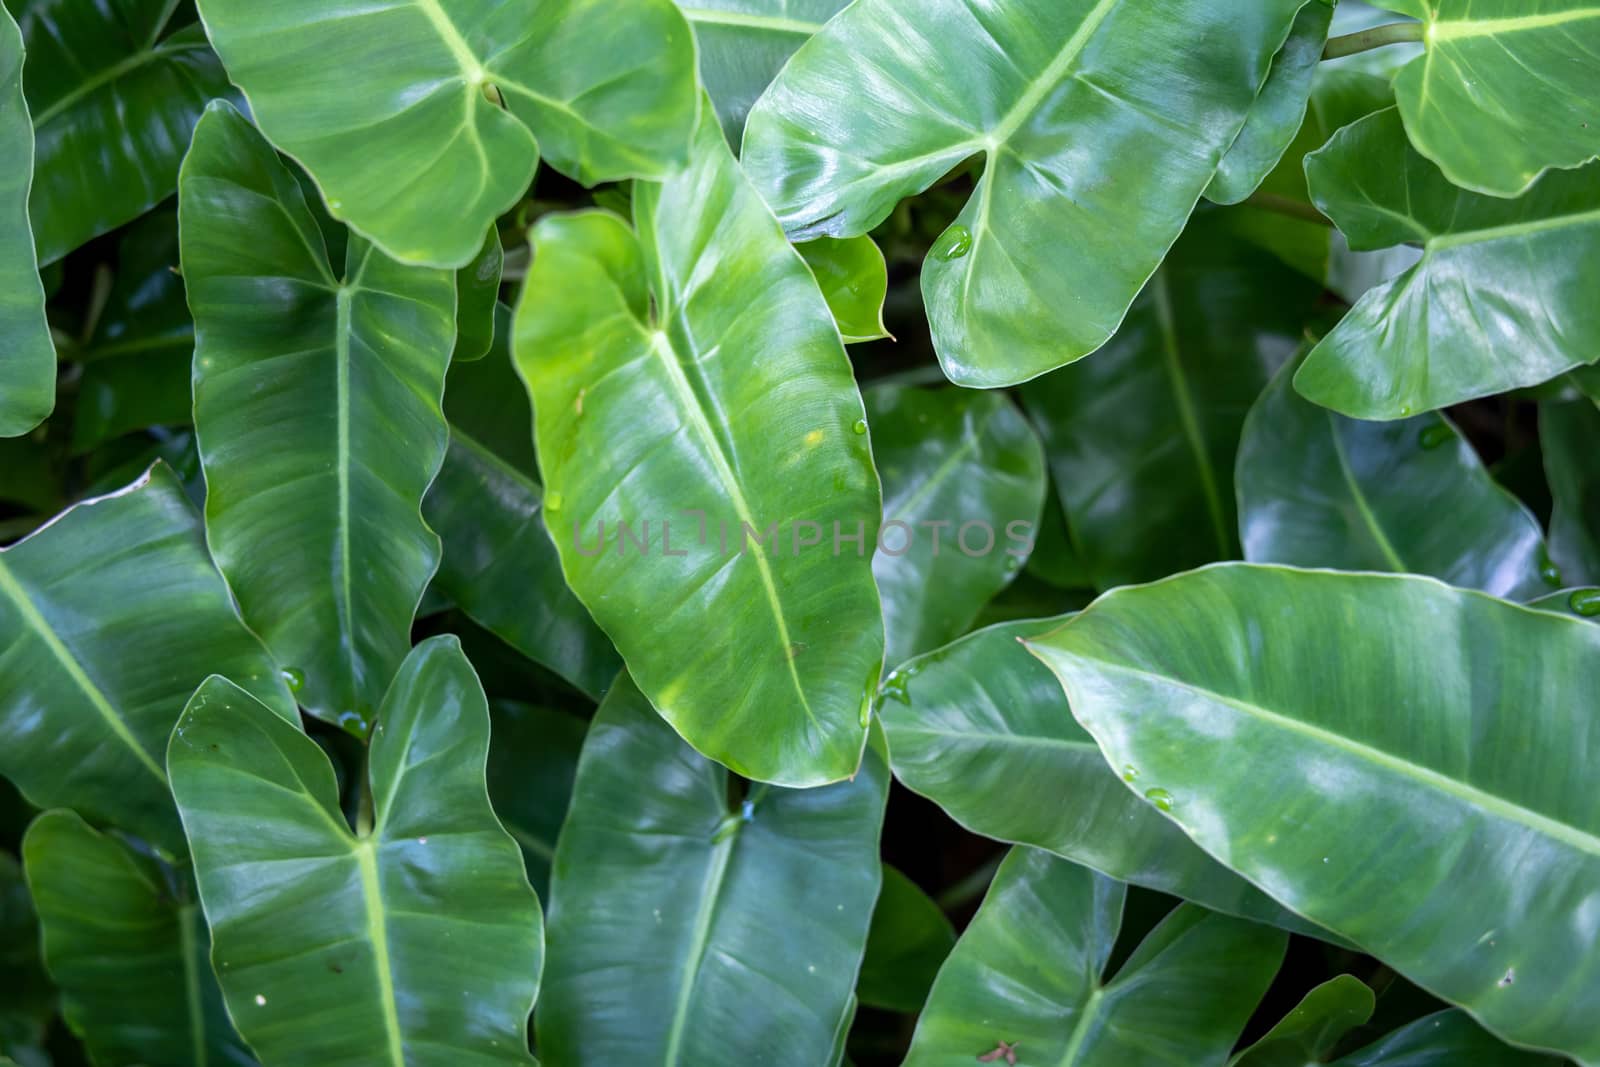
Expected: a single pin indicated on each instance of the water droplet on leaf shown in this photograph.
(860, 427)
(1160, 798)
(898, 687)
(1436, 435)
(1550, 572)
(952, 244)
(553, 501)
(294, 678)
(1585, 602)
(1129, 773)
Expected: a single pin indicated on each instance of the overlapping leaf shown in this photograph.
(908, 942)
(533, 759)
(1498, 301)
(28, 361)
(1343, 742)
(1309, 1033)
(399, 107)
(1102, 123)
(1570, 434)
(665, 942)
(413, 941)
(1442, 1039)
(854, 280)
(692, 386)
(317, 404)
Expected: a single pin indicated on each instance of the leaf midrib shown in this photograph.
(378, 933)
(1511, 230)
(1359, 495)
(1051, 77)
(699, 942)
(747, 20)
(108, 75)
(1462, 29)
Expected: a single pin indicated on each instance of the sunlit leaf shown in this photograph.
(853, 279)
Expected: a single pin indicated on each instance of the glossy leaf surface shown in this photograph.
(1570, 434)
(728, 407)
(663, 944)
(964, 483)
(907, 943)
(414, 942)
(115, 88)
(1031, 972)
(109, 617)
(1309, 1033)
(854, 280)
(981, 728)
(477, 298)
(28, 359)
(1505, 89)
(1101, 123)
(436, 103)
(1443, 1039)
(129, 957)
(1142, 438)
(1430, 811)
(1317, 489)
(306, 376)
(1498, 301)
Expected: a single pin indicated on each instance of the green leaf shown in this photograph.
(1443, 1039)
(316, 401)
(907, 943)
(27, 999)
(1365, 773)
(109, 617)
(1582, 603)
(1309, 1033)
(129, 956)
(1497, 301)
(533, 759)
(963, 490)
(415, 941)
(1031, 973)
(657, 389)
(1142, 438)
(854, 280)
(981, 729)
(1505, 91)
(689, 925)
(477, 298)
(1568, 432)
(28, 366)
(1317, 489)
(1278, 112)
(401, 108)
(744, 43)
(1102, 124)
(114, 98)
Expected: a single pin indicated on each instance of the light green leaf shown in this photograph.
(415, 942)
(1102, 124)
(907, 943)
(28, 364)
(1505, 90)
(114, 97)
(693, 386)
(109, 617)
(981, 729)
(963, 490)
(1309, 1033)
(129, 956)
(1142, 438)
(1278, 112)
(854, 280)
(1443, 1039)
(316, 399)
(533, 758)
(1364, 772)
(1317, 489)
(477, 298)
(422, 120)
(1497, 302)
(743, 45)
(1031, 973)
(692, 925)
(1570, 433)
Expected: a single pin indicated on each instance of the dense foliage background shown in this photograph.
(356, 361)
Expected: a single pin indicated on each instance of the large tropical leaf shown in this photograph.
(533, 759)
(401, 106)
(109, 617)
(689, 925)
(1505, 90)
(316, 399)
(1343, 742)
(114, 97)
(1443, 1039)
(744, 43)
(1499, 300)
(1317, 489)
(1102, 124)
(1030, 975)
(28, 361)
(1141, 438)
(1570, 434)
(691, 384)
(981, 729)
(414, 940)
(129, 956)
(908, 942)
(963, 489)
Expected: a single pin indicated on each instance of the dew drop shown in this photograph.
(860, 427)
(1585, 602)
(1434, 436)
(1550, 572)
(553, 501)
(898, 687)
(354, 723)
(952, 244)
(1129, 772)
(261, 1001)
(294, 678)
(1160, 798)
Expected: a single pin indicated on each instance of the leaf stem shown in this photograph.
(1283, 205)
(1377, 37)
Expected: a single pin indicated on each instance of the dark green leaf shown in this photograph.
(533, 758)
(1570, 434)
(1308, 1034)
(907, 943)
(478, 300)
(28, 365)
(1443, 1039)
